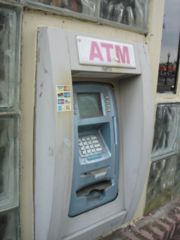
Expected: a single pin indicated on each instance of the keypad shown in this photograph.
(89, 145)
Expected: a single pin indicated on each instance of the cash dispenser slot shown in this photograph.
(94, 190)
(95, 170)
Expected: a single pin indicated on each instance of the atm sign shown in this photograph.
(94, 51)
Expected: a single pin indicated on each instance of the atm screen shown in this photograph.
(89, 105)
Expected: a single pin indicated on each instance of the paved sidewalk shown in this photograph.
(164, 224)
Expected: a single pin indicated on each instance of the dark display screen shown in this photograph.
(89, 105)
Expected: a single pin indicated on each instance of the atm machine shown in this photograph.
(96, 160)
(92, 133)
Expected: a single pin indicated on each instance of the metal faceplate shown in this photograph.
(95, 176)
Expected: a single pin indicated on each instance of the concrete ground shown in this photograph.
(164, 224)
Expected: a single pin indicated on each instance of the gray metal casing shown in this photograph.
(58, 64)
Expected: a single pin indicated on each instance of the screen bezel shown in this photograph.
(100, 105)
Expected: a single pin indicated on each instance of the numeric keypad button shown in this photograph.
(84, 152)
(97, 145)
(93, 137)
(80, 144)
(99, 149)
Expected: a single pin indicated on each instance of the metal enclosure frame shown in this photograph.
(58, 64)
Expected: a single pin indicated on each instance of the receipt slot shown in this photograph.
(95, 171)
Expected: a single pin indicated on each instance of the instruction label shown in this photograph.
(63, 93)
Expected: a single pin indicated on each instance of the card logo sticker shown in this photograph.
(63, 93)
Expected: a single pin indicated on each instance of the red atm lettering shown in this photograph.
(108, 47)
(97, 49)
(95, 52)
(122, 54)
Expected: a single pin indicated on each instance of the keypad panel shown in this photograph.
(90, 144)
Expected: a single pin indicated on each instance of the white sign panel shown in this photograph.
(94, 51)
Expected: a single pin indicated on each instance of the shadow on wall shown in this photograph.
(164, 178)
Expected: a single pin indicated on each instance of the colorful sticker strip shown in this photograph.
(63, 98)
